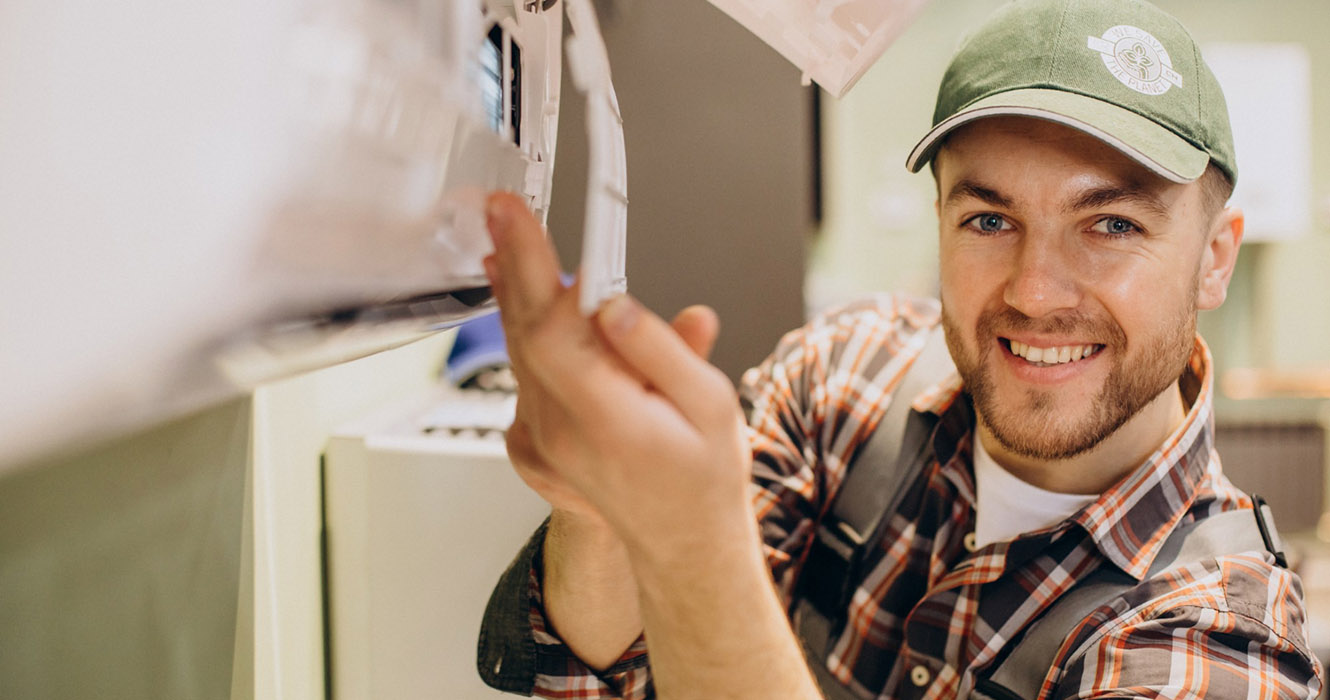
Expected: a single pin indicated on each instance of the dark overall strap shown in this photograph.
(1021, 674)
(889, 460)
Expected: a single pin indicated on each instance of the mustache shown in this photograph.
(1006, 320)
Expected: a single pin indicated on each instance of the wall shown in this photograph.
(182, 562)
(718, 135)
(120, 567)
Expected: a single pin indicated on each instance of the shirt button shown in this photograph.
(920, 676)
(969, 541)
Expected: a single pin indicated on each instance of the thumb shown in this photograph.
(699, 327)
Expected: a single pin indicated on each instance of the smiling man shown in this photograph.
(1083, 160)
(1070, 293)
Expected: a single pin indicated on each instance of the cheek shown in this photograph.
(953, 294)
(1147, 301)
(970, 278)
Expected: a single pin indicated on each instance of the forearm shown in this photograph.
(715, 625)
(625, 419)
(589, 590)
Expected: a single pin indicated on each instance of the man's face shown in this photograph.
(1070, 279)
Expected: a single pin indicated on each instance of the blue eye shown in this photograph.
(1116, 226)
(988, 223)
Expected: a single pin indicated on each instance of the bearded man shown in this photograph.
(1083, 160)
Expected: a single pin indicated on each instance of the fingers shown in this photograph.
(699, 327)
(564, 371)
(524, 270)
(579, 375)
(668, 361)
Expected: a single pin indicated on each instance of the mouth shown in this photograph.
(1050, 356)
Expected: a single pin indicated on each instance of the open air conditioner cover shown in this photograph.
(832, 41)
(195, 197)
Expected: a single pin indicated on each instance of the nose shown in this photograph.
(1043, 278)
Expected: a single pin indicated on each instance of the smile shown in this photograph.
(1047, 357)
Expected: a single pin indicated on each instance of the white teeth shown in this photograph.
(1052, 356)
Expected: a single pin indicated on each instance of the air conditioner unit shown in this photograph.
(199, 197)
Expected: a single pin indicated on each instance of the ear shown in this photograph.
(1220, 255)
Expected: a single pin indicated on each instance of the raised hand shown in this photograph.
(618, 416)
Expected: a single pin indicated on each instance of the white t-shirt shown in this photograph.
(1006, 506)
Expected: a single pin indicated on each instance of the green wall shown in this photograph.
(120, 568)
(182, 562)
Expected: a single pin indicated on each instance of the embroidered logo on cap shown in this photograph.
(1136, 59)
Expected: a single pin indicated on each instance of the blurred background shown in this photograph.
(749, 193)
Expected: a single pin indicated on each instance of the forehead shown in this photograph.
(1027, 152)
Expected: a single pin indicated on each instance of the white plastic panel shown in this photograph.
(832, 41)
(604, 243)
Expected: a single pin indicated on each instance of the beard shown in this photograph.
(1039, 423)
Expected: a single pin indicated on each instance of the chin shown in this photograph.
(1044, 431)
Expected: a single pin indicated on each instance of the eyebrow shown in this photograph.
(970, 188)
(1092, 199)
(1118, 194)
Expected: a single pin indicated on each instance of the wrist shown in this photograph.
(581, 524)
(590, 596)
(583, 545)
(713, 616)
(717, 543)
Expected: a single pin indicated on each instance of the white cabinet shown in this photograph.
(419, 526)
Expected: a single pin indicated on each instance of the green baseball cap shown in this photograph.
(1123, 71)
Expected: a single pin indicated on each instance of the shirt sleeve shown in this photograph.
(519, 653)
(1231, 629)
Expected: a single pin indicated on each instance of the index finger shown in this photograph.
(524, 261)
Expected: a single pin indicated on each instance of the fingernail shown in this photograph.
(619, 315)
(497, 218)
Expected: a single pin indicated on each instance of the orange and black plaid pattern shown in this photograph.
(931, 615)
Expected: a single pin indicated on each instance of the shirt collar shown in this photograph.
(1129, 522)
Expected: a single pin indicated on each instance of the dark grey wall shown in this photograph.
(719, 142)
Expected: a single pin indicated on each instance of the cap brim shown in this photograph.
(1153, 146)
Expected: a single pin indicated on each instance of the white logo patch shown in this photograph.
(1136, 59)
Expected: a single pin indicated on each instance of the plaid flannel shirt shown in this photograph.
(931, 613)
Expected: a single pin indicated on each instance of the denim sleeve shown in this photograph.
(506, 654)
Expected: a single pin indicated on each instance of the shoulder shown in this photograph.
(1232, 623)
(1243, 593)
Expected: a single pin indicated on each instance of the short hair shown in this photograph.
(1216, 188)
